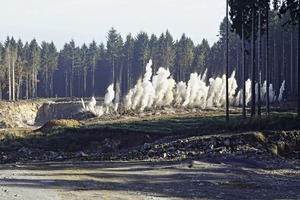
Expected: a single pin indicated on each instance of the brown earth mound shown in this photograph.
(59, 123)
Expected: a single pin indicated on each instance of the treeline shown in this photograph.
(30, 70)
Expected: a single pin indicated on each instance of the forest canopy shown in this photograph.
(31, 70)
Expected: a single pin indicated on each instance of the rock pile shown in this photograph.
(193, 147)
(261, 146)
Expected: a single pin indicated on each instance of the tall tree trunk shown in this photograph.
(268, 65)
(72, 77)
(79, 87)
(93, 77)
(244, 69)
(119, 93)
(299, 64)
(283, 70)
(238, 65)
(253, 65)
(128, 76)
(13, 79)
(117, 83)
(227, 67)
(259, 65)
(291, 65)
(66, 84)
(51, 85)
(9, 79)
(47, 82)
(19, 87)
(84, 80)
(35, 83)
(27, 85)
(31, 84)
(274, 78)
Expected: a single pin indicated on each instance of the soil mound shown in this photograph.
(59, 123)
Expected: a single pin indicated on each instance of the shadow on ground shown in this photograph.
(208, 178)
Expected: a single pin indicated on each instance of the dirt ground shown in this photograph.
(209, 178)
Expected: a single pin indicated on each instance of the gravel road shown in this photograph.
(209, 178)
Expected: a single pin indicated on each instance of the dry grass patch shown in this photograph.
(59, 123)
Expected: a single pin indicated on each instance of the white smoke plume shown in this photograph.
(272, 96)
(100, 110)
(91, 107)
(110, 95)
(163, 85)
(281, 90)
(161, 90)
(196, 92)
(180, 93)
(147, 88)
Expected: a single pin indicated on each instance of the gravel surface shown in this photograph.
(209, 178)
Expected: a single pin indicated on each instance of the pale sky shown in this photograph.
(84, 20)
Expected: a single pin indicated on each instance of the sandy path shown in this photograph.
(205, 179)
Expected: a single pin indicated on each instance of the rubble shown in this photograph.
(246, 145)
